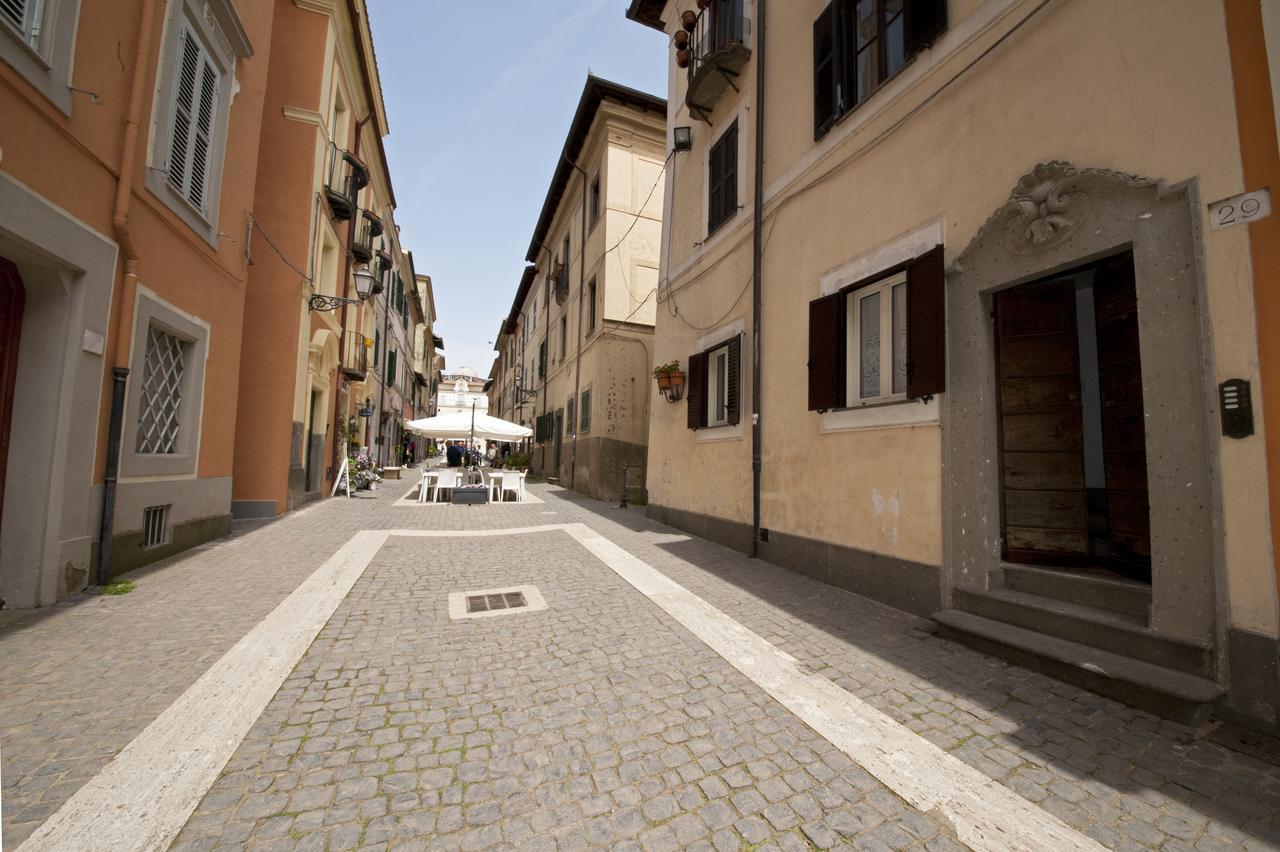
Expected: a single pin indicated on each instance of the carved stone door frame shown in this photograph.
(1060, 217)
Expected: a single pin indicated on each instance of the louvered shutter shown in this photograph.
(732, 393)
(695, 392)
(729, 176)
(24, 16)
(926, 325)
(825, 70)
(827, 352)
(925, 21)
(194, 103)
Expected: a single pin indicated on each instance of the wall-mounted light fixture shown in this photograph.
(364, 284)
(682, 138)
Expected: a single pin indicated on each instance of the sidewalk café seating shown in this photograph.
(513, 481)
(428, 485)
(494, 481)
(446, 480)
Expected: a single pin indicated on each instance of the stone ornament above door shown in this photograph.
(1051, 203)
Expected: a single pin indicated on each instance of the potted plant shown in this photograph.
(668, 375)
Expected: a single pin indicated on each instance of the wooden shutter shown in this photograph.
(195, 99)
(925, 20)
(824, 70)
(732, 393)
(926, 325)
(391, 367)
(570, 415)
(695, 392)
(715, 201)
(730, 178)
(827, 352)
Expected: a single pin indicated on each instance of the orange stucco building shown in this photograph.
(171, 178)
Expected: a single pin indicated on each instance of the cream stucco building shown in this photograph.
(957, 311)
(575, 351)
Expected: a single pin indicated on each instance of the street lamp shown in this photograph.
(364, 285)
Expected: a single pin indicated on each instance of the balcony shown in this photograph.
(355, 357)
(718, 52)
(561, 282)
(344, 179)
(383, 271)
(369, 228)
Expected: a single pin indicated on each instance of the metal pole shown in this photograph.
(757, 250)
(114, 428)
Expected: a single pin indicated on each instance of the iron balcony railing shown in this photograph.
(370, 227)
(344, 178)
(355, 357)
(718, 50)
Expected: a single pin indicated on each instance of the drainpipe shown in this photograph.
(582, 285)
(124, 320)
(757, 250)
(342, 324)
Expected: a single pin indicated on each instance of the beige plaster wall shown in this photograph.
(1120, 84)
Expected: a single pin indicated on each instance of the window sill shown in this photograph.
(883, 416)
(712, 229)
(712, 434)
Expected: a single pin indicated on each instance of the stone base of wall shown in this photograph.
(1253, 698)
(127, 552)
(253, 509)
(911, 586)
(599, 468)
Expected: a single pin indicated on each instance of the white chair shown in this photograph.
(446, 480)
(494, 480)
(428, 484)
(513, 481)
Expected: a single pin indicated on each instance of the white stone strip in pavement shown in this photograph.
(143, 797)
(985, 815)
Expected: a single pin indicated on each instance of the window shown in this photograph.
(195, 99)
(880, 340)
(155, 519)
(723, 198)
(591, 306)
(391, 367)
(542, 359)
(713, 382)
(160, 409)
(595, 200)
(25, 18)
(584, 416)
(377, 345)
(570, 415)
(564, 338)
(859, 44)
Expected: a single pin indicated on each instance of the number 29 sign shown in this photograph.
(1240, 209)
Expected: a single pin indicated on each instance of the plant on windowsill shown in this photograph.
(670, 380)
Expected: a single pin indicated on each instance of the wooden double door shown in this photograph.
(1071, 422)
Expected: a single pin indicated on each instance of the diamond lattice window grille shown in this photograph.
(161, 404)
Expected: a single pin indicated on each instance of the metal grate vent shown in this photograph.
(486, 603)
(155, 526)
(489, 603)
(161, 405)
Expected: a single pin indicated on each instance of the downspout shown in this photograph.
(757, 251)
(577, 377)
(342, 326)
(124, 320)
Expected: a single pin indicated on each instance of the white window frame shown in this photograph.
(43, 50)
(853, 315)
(214, 30)
(718, 379)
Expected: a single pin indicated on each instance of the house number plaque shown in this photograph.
(1240, 209)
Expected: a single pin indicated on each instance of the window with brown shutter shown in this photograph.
(732, 405)
(723, 183)
(826, 352)
(880, 340)
(696, 391)
(926, 325)
(859, 45)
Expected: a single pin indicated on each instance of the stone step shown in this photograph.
(1165, 692)
(1104, 629)
(1114, 593)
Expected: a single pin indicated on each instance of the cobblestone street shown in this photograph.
(601, 721)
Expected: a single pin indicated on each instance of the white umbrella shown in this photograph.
(458, 426)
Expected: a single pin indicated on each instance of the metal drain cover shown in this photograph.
(483, 603)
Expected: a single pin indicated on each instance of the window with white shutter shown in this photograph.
(25, 18)
(195, 107)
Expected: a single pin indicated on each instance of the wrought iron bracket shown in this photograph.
(330, 303)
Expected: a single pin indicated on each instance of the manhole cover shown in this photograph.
(487, 603)
(482, 603)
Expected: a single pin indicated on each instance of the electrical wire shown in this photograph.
(276, 249)
(640, 210)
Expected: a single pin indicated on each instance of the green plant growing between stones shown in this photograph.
(117, 587)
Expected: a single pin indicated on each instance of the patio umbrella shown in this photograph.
(460, 426)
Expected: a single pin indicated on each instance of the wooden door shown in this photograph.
(12, 298)
(1041, 427)
(1123, 424)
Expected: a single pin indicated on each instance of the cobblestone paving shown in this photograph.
(80, 680)
(592, 724)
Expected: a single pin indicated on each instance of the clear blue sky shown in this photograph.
(479, 98)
